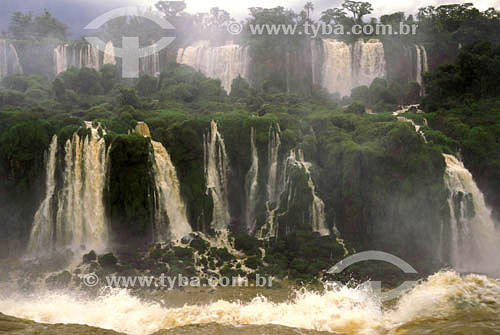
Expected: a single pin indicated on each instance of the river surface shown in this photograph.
(444, 303)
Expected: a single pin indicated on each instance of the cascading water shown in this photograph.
(42, 233)
(151, 64)
(81, 218)
(475, 239)
(273, 187)
(369, 62)
(9, 60)
(347, 66)
(109, 54)
(216, 175)
(225, 62)
(252, 185)
(337, 67)
(419, 65)
(171, 221)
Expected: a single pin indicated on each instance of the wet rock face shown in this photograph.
(14, 326)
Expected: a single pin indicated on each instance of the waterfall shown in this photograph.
(80, 56)
(42, 233)
(346, 67)
(109, 54)
(317, 211)
(419, 66)
(252, 185)
(369, 61)
(225, 62)
(475, 240)
(151, 64)
(171, 221)
(337, 67)
(9, 60)
(425, 61)
(216, 175)
(81, 218)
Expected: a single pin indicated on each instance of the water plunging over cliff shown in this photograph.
(9, 60)
(225, 62)
(475, 239)
(252, 185)
(81, 218)
(80, 56)
(171, 221)
(345, 67)
(42, 233)
(216, 175)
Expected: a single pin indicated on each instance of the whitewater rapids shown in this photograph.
(457, 301)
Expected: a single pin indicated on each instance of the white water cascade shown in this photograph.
(273, 186)
(345, 67)
(225, 62)
(171, 223)
(42, 233)
(109, 54)
(81, 218)
(317, 211)
(369, 62)
(151, 64)
(475, 239)
(82, 56)
(337, 67)
(252, 185)
(216, 175)
(9, 60)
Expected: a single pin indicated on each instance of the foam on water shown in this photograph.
(340, 309)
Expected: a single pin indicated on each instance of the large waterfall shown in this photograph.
(475, 239)
(216, 175)
(81, 218)
(345, 67)
(9, 60)
(171, 221)
(42, 233)
(369, 62)
(225, 62)
(82, 56)
(252, 185)
(337, 67)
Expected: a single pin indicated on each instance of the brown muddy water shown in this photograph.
(445, 303)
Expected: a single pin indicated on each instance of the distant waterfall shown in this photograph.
(109, 54)
(216, 175)
(81, 218)
(151, 64)
(171, 221)
(225, 62)
(252, 185)
(419, 65)
(82, 56)
(369, 62)
(42, 233)
(475, 240)
(345, 67)
(9, 60)
(337, 67)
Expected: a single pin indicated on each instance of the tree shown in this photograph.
(26, 27)
(171, 8)
(357, 8)
(333, 15)
(309, 8)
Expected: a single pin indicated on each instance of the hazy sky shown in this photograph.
(239, 8)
